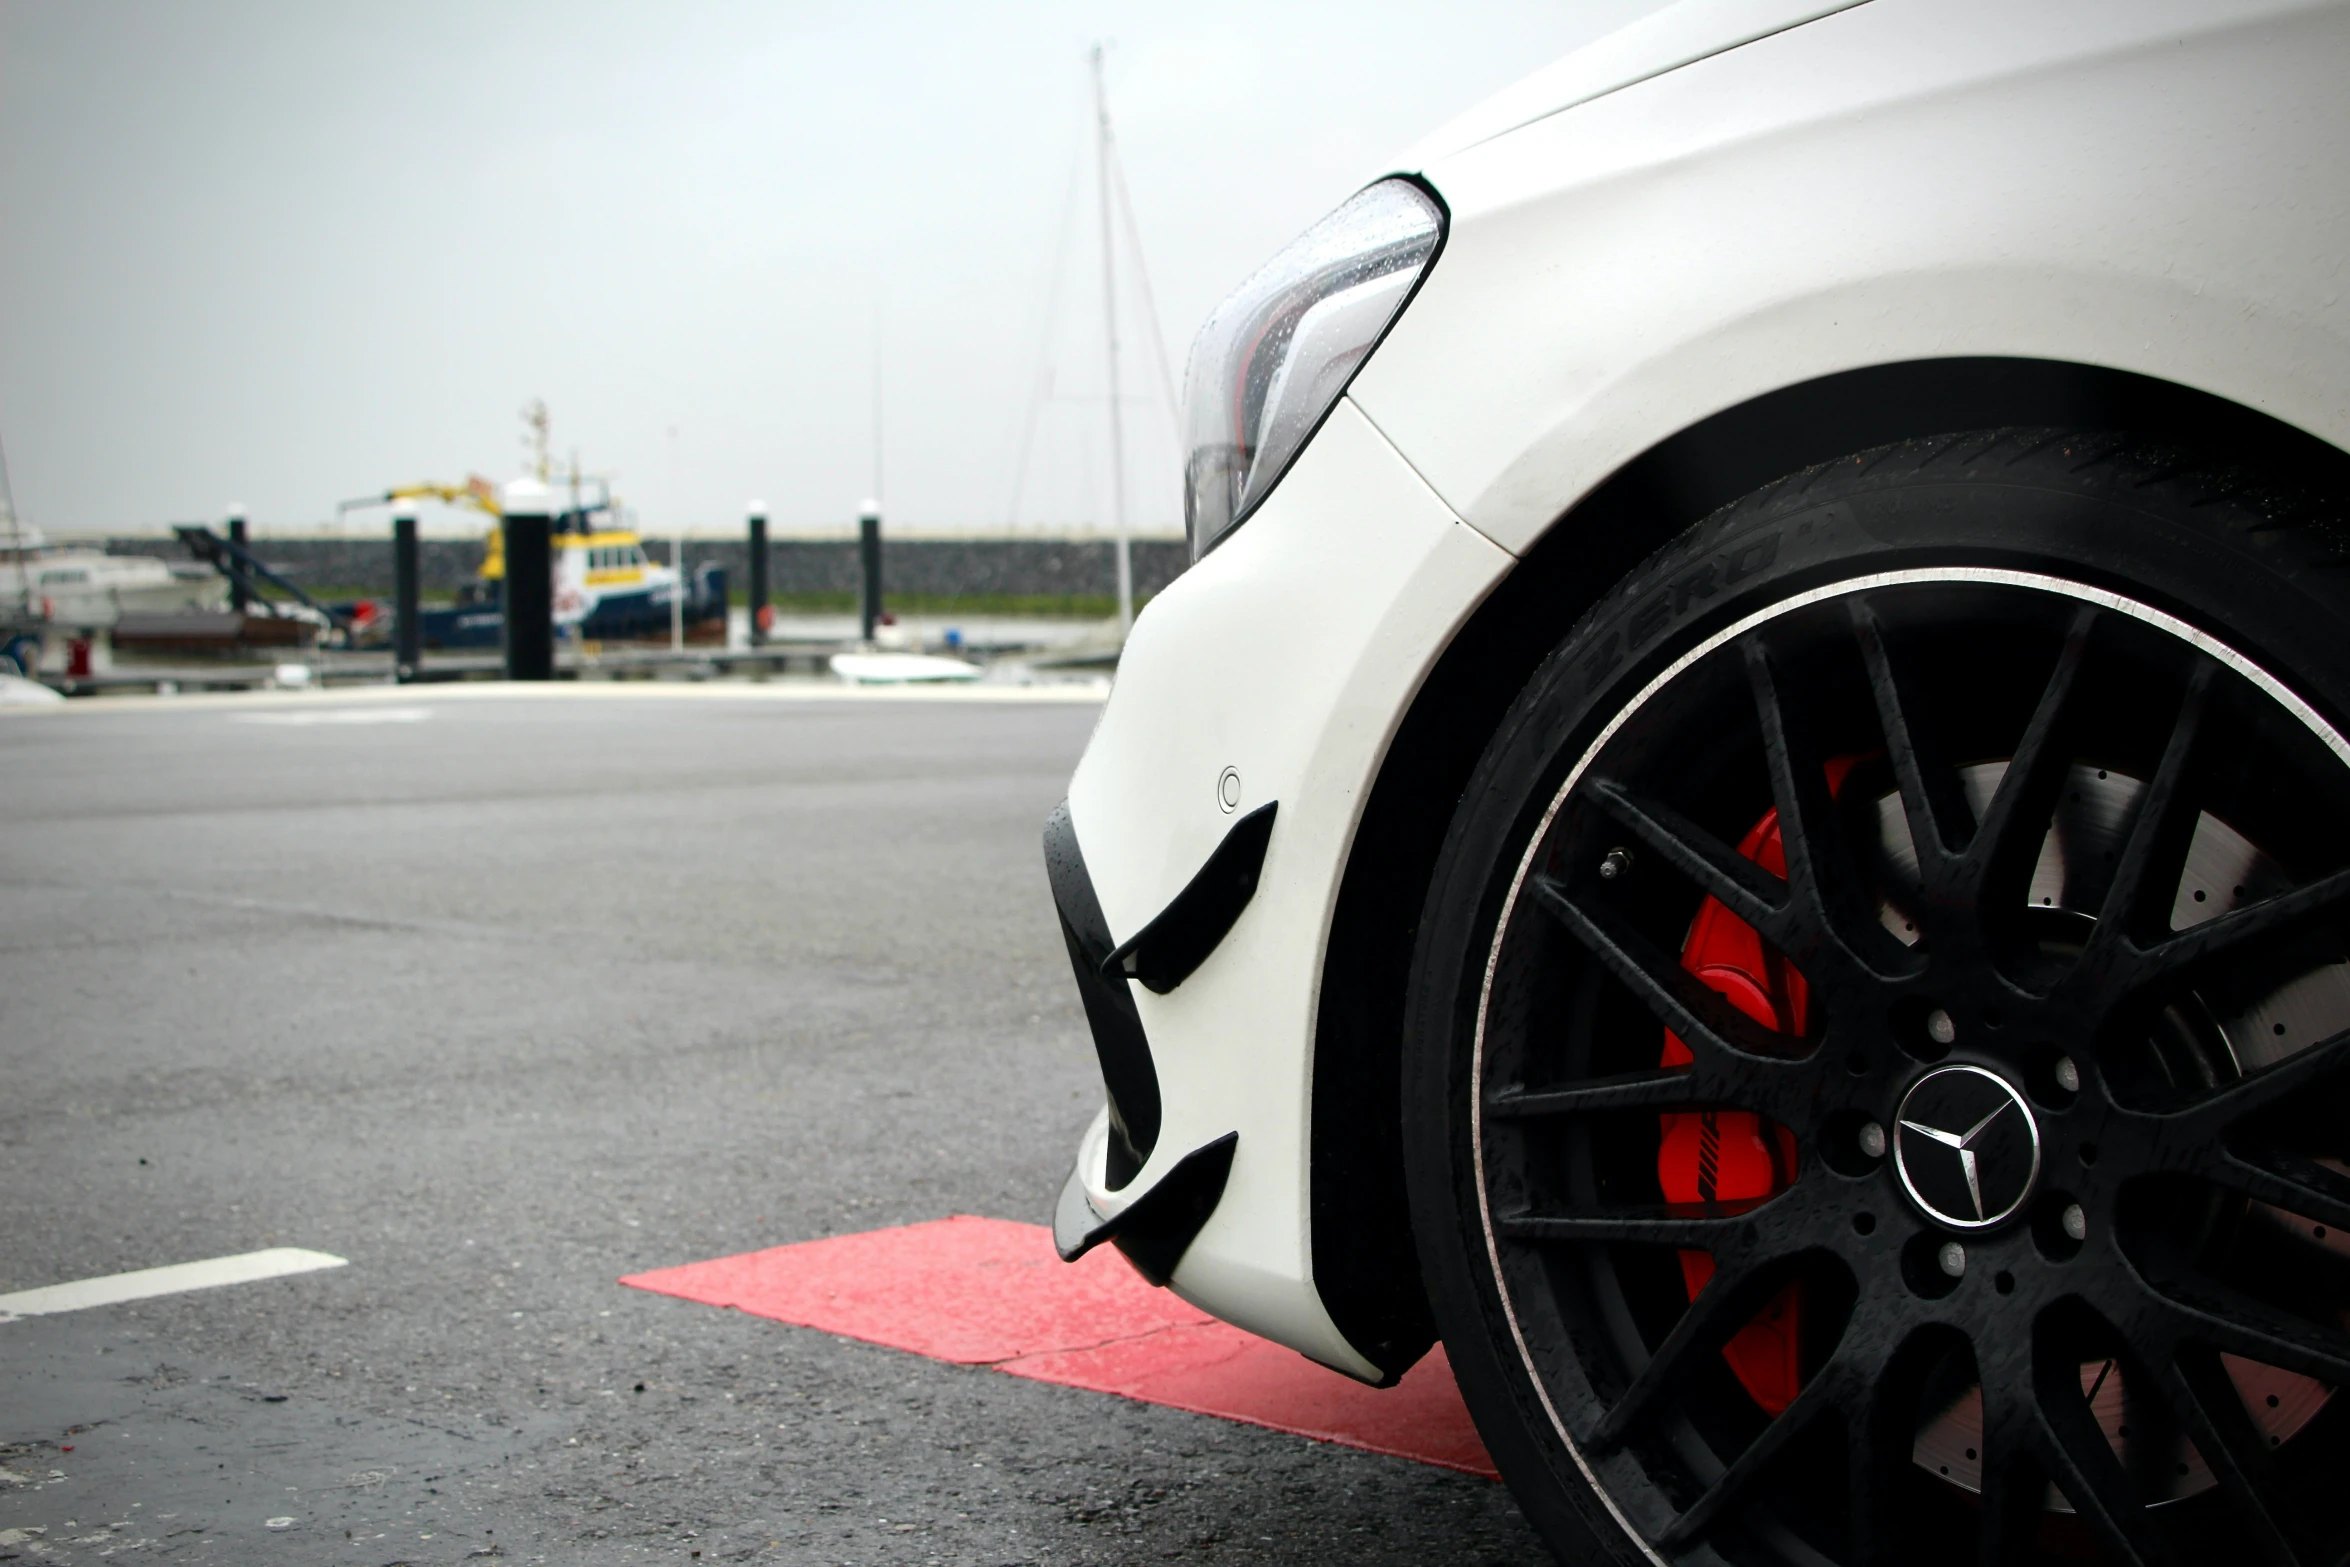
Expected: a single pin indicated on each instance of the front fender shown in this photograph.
(2155, 188)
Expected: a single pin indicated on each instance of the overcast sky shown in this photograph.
(286, 254)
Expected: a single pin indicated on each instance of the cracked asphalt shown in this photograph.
(505, 996)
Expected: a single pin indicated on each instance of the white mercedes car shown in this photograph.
(1744, 814)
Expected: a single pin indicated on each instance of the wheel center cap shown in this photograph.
(1966, 1147)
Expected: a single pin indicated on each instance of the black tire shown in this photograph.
(1535, 1320)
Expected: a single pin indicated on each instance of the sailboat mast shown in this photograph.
(1101, 103)
(24, 578)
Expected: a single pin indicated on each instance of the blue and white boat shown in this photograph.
(606, 590)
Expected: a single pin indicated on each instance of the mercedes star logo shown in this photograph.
(1966, 1147)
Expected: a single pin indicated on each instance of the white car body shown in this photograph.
(1730, 200)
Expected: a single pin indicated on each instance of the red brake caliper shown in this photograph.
(1735, 1156)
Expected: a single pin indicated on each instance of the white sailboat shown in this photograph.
(76, 590)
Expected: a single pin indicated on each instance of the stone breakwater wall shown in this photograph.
(941, 567)
(360, 565)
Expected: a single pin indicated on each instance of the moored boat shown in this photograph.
(607, 589)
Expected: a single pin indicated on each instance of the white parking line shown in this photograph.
(298, 718)
(116, 1288)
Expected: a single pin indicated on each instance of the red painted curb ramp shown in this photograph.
(988, 1292)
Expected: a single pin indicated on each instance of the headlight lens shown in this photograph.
(1276, 356)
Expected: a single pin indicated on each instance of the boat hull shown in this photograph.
(614, 617)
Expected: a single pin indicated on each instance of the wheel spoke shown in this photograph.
(2217, 1317)
(2007, 844)
(2013, 1485)
(1932, 800)
(1738, 1289)
(2305, 908)
(1656, 1090)
(2200, 1122)
(1877, 1458)
(2146, 877)
(2290, 1181)
(2092, 1480)
(1829, 1387)
(2081, 1462)
(1705, 1022)
(1740, 885)
(2205, 1399)
(1706, 1227)
(2157, 1445)
(1819, 868)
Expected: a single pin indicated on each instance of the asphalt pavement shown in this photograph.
(501, 997)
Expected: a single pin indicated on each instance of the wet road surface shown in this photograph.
(500, 998)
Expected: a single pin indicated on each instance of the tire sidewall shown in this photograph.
(2106, 514)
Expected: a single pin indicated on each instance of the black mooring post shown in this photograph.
(530, 581)
(758, 511)
(407, 596)
(869, 560)
(238, 599)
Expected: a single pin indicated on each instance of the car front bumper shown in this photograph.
(1274, 672)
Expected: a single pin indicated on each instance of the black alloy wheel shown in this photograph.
(1878, 1073)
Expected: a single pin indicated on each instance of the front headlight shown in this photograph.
(1275, 357)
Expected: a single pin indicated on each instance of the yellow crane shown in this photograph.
(480, 494)
(476, 492)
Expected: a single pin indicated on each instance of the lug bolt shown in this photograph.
(1617, 863)
(1939, 1028)
(2075, 1222)
(1872, 1140)
(2068, 1077)
(1953, 1258)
